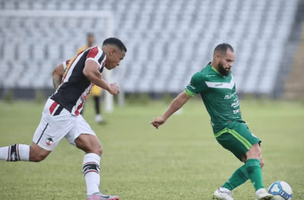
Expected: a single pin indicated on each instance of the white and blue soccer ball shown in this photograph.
(280, 190)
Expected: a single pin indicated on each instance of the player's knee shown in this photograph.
(99, 150)
(37, 154)
(37, 157)
(254, 152)
(89, 144)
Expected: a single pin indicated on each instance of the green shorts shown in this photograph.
(237, 138)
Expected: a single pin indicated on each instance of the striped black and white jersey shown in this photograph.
(75, 87)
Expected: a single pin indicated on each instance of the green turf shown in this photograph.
(180, 161)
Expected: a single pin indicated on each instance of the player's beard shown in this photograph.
(222, 70)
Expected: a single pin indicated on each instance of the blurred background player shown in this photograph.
(216, 86)
(96, 91)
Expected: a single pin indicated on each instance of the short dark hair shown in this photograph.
(116, 42)
(222, 48)
(90, 35)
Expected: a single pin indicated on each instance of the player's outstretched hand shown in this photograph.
(158, 121)
(114, 89)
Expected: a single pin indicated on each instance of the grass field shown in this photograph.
(180, 161)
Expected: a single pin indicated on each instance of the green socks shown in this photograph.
(251, 170)
(239, 177)
(255, 173)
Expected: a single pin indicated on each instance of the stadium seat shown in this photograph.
(167, 41)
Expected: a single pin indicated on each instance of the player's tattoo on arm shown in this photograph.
(56, 82)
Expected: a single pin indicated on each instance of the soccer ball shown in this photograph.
(280, 190)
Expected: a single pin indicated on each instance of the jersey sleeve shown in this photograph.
(197, 85)
(64, 64)
(97, 55)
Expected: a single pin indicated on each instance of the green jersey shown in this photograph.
(219, 96)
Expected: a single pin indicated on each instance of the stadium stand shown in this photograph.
(167, 41)
(294, 84)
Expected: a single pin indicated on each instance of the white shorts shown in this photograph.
(56, 123)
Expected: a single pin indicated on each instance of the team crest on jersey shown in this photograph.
(49, 141)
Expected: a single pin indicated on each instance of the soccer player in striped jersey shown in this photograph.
(216, 86)
(96, 91)
(61, 114)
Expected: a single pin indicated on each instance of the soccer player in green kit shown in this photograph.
(216, 86)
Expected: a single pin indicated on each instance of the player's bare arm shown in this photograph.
(175, 105)
(57, 75)
(91, 72)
